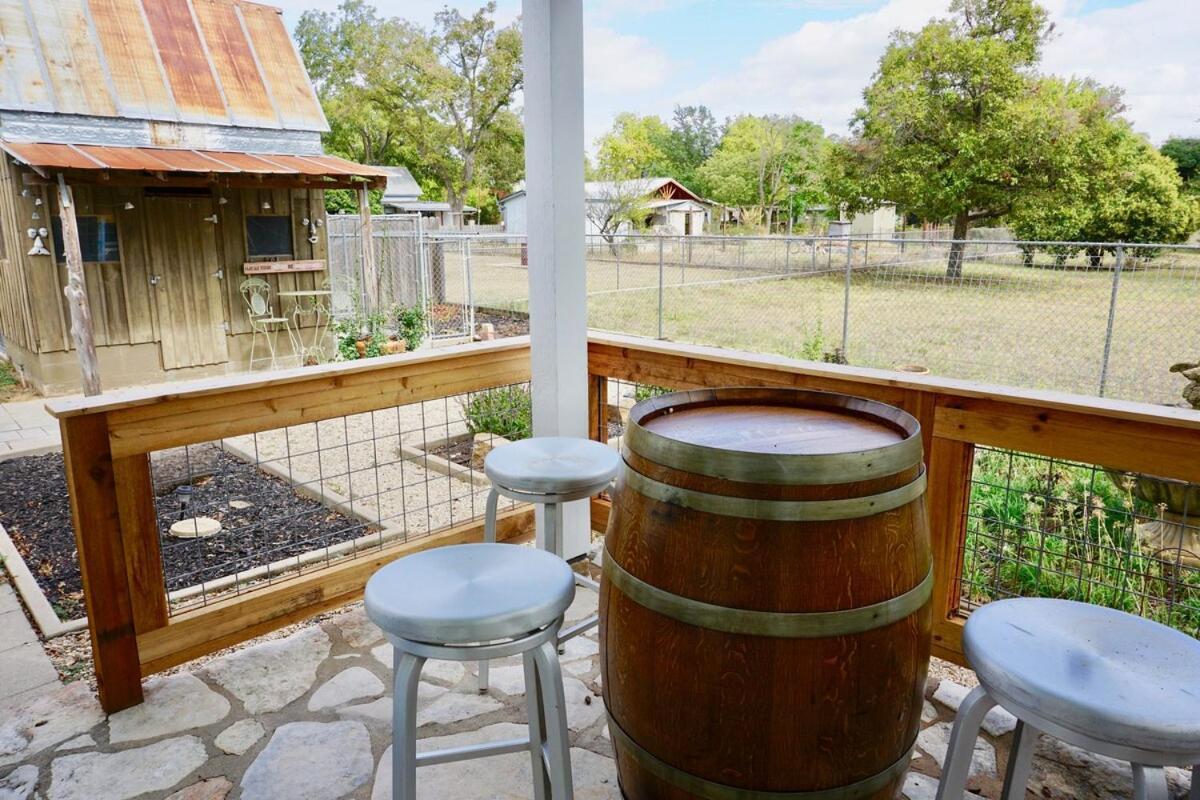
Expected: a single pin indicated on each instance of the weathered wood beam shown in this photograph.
(77, 301)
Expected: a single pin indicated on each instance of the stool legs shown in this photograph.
(489, 536)
(404, 725)
(1150, 783)
(962, 743)
(1020, 761)
(551, 533)
(554, 716)
(538, 743)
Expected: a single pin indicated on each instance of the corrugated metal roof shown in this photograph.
(165, 160)
(216, 62)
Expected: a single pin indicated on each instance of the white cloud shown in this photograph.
(621, 63)
(819, 70)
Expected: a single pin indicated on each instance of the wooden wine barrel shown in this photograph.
(764, 613)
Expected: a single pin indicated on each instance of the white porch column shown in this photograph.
(554, 146)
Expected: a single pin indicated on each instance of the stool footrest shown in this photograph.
(579, 627)
(467, 751)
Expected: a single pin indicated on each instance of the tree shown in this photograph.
(452, 93)
(945, 129)
(615, 203)
(635, 147)
(1186, 155)
(1108, 183)
(693, 138)
(761, 162)
(340, 51)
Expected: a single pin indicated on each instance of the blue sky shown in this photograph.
(813, 57)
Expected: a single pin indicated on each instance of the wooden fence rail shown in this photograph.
(107, 441)
(955, 416)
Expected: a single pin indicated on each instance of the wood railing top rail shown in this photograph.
(602, 345)
(330, 373)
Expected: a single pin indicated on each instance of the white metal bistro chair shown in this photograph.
(264, 321)
(466, 602)
(1100, 679)
(548, 471)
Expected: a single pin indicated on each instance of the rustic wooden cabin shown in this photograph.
(186, 136)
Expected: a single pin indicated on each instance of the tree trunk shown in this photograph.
(77, 300)
(1026, 256)
(954, 266)
(1095, 256)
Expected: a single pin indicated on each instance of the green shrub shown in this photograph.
(644, 391)
(504, 411)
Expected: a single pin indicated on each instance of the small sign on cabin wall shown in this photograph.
(260, 267)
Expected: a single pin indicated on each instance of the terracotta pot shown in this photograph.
(394, 346)
(361, 347)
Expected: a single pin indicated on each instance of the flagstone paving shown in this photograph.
(308, 717)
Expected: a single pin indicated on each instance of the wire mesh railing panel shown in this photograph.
(252, 510)
(1042, 527)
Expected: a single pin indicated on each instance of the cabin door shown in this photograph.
(186, 281)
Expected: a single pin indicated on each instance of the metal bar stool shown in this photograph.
(1103, 680)
(548, 471)
(470, 601)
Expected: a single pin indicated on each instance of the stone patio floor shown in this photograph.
(306, 716)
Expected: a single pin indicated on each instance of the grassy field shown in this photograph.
(1001, 322)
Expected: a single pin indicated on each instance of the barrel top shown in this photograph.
(785, 429)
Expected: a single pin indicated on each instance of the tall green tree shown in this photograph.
(762, 163)
(635, 147)
(945, 129)
(1185, 152)
(693, 139)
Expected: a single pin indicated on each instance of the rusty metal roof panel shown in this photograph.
(72, 60)
(286, 78)
(132, 59)
(57, 156)
(234, 61)
(213, 62)
(185, 61)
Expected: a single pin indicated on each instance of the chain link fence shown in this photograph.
(1103, 319)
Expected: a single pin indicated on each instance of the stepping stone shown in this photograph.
(208, 789)
(923, 787)
(579, 647)
(195, 528)
(358, 631)
(996, 722)
(19, 784)
(505, 777)
(240, 736)
(173, 704)
(311, 761)
(54, 717)
(583, 707)
(268, 676)
(129, 773)
(935, 740)
(78, 743)
(928, 712)
(455, 707)
(450, 672)
(347, 686)
(378, 713)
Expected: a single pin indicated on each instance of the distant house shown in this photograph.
(667, 205)
(403, 196)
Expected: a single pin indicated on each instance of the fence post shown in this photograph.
(92, 489)
(660, 287)
(1112, 315)
(812, 242)
(470, 315)
(846, 301)
(787, 254)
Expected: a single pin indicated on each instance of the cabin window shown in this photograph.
(98, 243)
(269, 236)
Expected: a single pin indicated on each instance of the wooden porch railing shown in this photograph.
(955, 416)
(107, 441)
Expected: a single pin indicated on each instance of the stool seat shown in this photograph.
(469, 593)
(552, 465)
(1099, 672)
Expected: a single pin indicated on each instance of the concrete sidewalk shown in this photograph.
(26, 428)
(25, 670)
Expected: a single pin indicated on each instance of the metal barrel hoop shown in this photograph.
(711, 790)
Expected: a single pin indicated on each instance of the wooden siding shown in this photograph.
(125, 306)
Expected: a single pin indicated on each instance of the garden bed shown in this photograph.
(268, 521)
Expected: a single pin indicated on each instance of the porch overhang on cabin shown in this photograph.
(150, 166)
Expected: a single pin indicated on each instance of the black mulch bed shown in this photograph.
(458, 452)
(507, 324)
(277, 524)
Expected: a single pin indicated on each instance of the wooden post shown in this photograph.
(81, 313)
(554, 147)
(91, 485)
(370, 276)
(947, 498)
